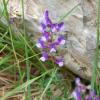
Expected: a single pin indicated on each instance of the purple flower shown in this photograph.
(46, 13)
(77, 81)
(40, 44)
(44, 57)
(97, 98)
(45, 36)
(61, 40)
(48, 42)
(81, 86)
(60, 61)
(57, 27)
(92, 93)
(81, 90)
(42, 27)
(88, 97)
(48, 21)
(60, 26)
(77, 94)
(52, 47)
(54, 28)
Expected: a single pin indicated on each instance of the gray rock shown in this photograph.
(80, 28)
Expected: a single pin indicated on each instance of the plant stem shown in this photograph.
(28, 97)
(95, 64)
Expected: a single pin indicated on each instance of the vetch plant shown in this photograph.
(50, 40)
(80, 92)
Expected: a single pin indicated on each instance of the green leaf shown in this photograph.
(4, 60)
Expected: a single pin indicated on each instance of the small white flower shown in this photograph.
(43, 38)
(52, 50)
(38, 45)
(60, 64)
(78, 81)
(62, 28)
(54, 29)
(74, 95)
(43, 59)
(41, 29)
(62, 42)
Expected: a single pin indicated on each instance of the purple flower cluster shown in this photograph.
(80, 92)
(48, 43)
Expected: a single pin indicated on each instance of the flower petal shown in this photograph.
(60, 61)
(60, 26)
(40, 44)
(54, 27)
(76, 94)
(42, 27)
(44, 57)
(61, 40)
(52, 47)
(77, 81)
(46, 13)
(52, 50)
(47, 19)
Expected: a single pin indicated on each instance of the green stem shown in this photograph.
(95, 64)
(69, 12)
(26, 54)
(53, 75)
(11, 38)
